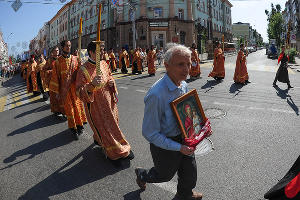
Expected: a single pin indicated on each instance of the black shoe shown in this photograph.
(74, 132)
(247, 81)
(140, 183)
(130, 156)
(274, 85)
(79, 130)
(84, 123)
(289, 87)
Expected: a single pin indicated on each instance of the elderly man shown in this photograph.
(161, 130)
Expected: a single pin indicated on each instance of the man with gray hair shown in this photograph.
(161, 130)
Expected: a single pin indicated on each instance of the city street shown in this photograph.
(255, 136)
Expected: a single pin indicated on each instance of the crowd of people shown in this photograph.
(83, 96)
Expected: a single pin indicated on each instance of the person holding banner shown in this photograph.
(169, 154)
(63, 84)
(241, 75)
(98, 93)
(218, 72)
(195, 68)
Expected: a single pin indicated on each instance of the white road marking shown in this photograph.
(122, 87)
(143, 91)
(279, 110)
(255, 108)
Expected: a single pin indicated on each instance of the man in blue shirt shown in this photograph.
(161, 130)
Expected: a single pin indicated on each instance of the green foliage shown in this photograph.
(292, 55)
(275, 26)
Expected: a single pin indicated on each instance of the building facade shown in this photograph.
(132, 23)
(291, 18)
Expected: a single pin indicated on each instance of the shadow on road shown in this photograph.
(41, 123)
(134, 195)
(235, 87)
(39, 109)
(293, 105)
(210, 84)
(58, 140)
(90, 166)
(283, 94)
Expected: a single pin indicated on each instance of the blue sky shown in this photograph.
(27, 21)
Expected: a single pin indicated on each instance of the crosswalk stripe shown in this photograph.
(17, 98)
(2, 103)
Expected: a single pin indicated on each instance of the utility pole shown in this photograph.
(132, 18)
(210, 32)
(108, 24)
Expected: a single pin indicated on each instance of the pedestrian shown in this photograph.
(112, 58)
(98, 92)
(56, 107)
(137, 62)
(63, 84)
(160, 56)
(32, 85)
(218, 72)
(144, 58)
(282, 74)
(41, 77)
(161, 130)
(124, 61)
(241, 75)
(151, 57)
(195, 68)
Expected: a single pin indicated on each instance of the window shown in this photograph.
(180, 14)
(157, 13)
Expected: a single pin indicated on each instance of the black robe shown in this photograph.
(282, 74)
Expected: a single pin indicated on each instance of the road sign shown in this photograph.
(16, 5)
(293, 38)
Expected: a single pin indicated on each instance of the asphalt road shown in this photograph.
(256, 140)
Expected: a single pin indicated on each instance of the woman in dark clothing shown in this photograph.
(282, 74)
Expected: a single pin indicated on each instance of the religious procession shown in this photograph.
(153, 112)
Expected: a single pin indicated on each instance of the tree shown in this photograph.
(276, 23)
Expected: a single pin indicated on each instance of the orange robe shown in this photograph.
(113, 63)
(195, 68)
(151, 57)
(241, 74)
(126, 58)
(55, 105)
(138, 59)
(63, 83)
(102, 112)
(23, 71)
(32, 85)
(42, 74)
(218, 68)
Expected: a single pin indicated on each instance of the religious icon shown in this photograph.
(189, 114)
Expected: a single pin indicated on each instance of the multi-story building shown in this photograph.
(142, 23)
(291, 17)
(159, 22)
(3, 51)
(59, 26)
